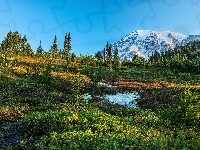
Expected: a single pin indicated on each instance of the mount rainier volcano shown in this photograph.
(146, 42)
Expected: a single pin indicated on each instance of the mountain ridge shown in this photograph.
(145, 42)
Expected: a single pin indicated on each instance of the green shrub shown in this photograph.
(76, 88)
(186, 111)
(44, 78)
(11, 113)
(188, 108)
(94, 129)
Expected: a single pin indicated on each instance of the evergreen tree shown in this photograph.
(115, 62)
(16, 39)
(28, 50)
(115, 53)
(54, 48)
(126, 62)
(156, 56)
(151, 58)
(108, 51)
(138, 61)
(39, 51)
(104, 54)
(67, 46)
(73, 57)
(11, 44)
(6, 45)
(22, 47)
(98, 55)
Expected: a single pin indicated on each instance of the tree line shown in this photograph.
(15, 43)
(182, 58)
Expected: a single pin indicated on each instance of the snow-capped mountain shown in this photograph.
(145, 42)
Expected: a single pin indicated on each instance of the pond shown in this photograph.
(128, 99)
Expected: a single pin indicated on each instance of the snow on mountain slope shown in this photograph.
(146, 42)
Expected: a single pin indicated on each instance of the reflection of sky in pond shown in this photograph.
(124, 99)
(128, 99)
(121, 98)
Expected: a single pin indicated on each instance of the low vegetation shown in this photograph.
(42, 103)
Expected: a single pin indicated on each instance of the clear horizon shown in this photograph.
(93, 23)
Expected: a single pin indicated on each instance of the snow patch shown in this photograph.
(134, 48)
(107, 85)
(128, 99)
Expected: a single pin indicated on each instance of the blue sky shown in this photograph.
(94, 22)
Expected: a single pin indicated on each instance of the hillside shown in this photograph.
(43, 106)
(57, 100)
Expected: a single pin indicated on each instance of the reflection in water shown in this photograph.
(128, 99)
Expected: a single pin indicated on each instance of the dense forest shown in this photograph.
(43, 104)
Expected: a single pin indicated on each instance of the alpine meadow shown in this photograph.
(116, 99)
